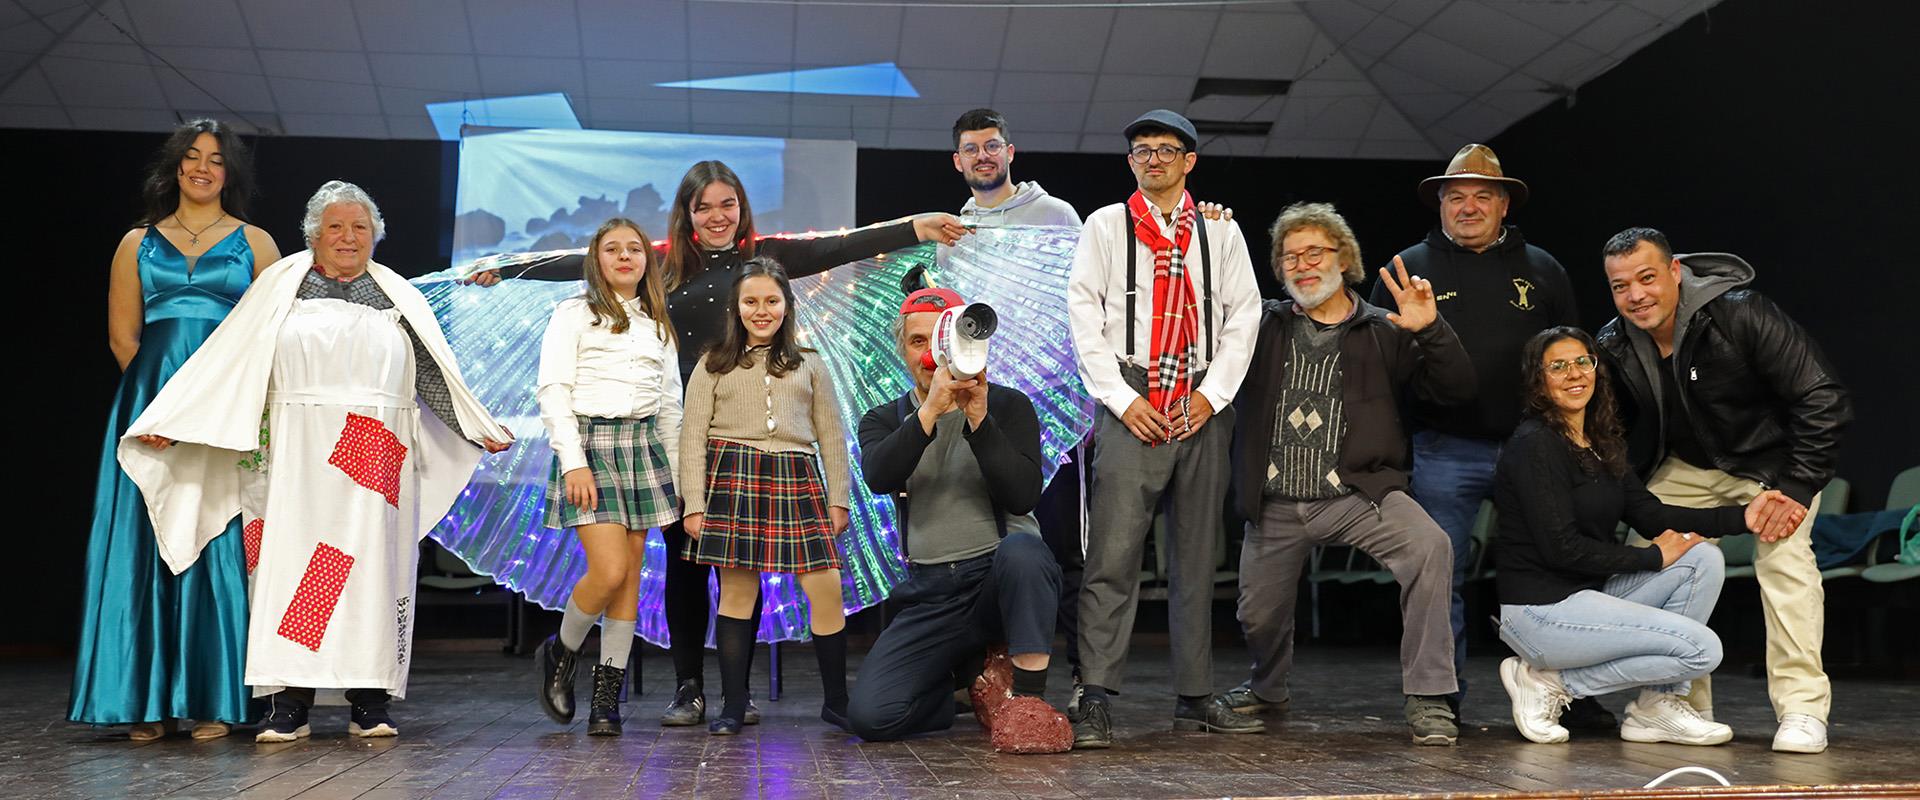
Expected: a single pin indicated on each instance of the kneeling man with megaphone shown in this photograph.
(966, 453)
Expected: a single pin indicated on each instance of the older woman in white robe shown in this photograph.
(338, 355)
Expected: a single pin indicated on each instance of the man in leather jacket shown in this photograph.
(1724, 396)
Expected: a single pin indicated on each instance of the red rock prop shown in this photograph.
(1016, 724)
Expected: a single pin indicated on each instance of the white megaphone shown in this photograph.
(960, 339)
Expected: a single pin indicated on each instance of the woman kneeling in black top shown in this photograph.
(1588, 614)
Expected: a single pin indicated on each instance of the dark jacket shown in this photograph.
(697, 309)
(1558, 511)
(1378, 362)
(1496, 300)
(1007, 445)
(1763, 400)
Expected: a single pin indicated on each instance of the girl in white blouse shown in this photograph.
(610, 398)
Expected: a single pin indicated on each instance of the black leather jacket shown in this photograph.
(1763, 399)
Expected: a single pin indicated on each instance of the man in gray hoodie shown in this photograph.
(1725, 396)
(983, 155)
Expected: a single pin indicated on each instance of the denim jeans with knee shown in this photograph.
(1451, 476)
(1640, 629)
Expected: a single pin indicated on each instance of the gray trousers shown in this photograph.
(1129, 481)
(1398, 534)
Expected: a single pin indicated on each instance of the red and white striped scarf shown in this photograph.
(1170, 376)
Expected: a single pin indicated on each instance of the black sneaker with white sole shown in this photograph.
(285, 722)
(371, 721)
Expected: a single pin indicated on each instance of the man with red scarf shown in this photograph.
(1163, 306)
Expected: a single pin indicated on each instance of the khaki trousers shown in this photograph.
(1794, 602)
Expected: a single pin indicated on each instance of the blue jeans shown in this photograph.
(1640, 629)
(1451, 476)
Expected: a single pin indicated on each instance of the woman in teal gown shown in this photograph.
(156, 648)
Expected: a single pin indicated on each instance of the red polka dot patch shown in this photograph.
(306, 619)
(371, 455)
(251, 534)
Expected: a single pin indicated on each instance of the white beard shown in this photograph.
(1330, 283)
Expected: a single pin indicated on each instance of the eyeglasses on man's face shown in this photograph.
(992, 147)
(1311, 256)
(1146, 154)
(1559, 366)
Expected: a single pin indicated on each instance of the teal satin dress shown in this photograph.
(154, 645)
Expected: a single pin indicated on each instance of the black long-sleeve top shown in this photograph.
(1006, 447)
(1558, 511)
(697, 308)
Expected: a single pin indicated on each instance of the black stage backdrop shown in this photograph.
(1735, 132)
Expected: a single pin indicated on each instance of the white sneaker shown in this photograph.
(1538, 698)
(1705, 713)
(1800, 733)
(1661, 717)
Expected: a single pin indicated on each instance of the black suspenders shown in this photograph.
(1206, 278)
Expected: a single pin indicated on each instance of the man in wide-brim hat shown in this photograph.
(1497, 291)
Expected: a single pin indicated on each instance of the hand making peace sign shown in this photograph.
(1414, 296)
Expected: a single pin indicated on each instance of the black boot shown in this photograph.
(831, 650)
(603, 711)
(734, 639)
(557, 666)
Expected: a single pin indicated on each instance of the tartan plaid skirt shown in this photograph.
(631, 471)
(765, 512)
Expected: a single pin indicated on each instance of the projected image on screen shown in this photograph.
(534, 190)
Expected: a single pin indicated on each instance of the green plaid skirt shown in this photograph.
(631, 470)
(765, 512)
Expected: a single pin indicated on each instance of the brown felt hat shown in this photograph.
(1473, 161)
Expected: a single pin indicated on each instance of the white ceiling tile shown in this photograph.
(1387, 123)
(29, 89)
(1396, 81)
(756, 34)
(1407, 150)
(93, 29)
(1478, 120)
(211, 23)
(910, 139)
(622, 109)
(741, 112)
(412, 126)
(1143, 88)
(1106, 119)
(972, 87)
(1159, 41)
(347, 67)
(1568, 64)
(510, 75)
(743, 130)
(17, 116)
(13, 14)
(14, 62)
(929, 115)
(1373, 41)
(635, 79)
(1445, 63)
(523, 28)
(324, 97)
(1234, 107)
(1340, 21)
(395, 102)
(1491, 34)
(1415, 12)
(223, 59)
(443, 72)
(1043, 117)
(840, 134)
(1558, 18)
(102, 84)
(871, 116)
(1610, 30)
(317, 26)
(1426, 109)
(346, 126)
(1325, 62)
(1044, 142)
(1214, 147)
(217, 90)
(1311, 148)
(821, 114)
(109, 53)
(1056, 39)
(1344, 118)
(870, 137)
(26, 36)
(1258, 46)
(953, 37)
(121, 119)
(1515, 105)
(652, 127)
(1027, 87)
(650, 30)
(1667, 9)
(414, 26)
(1319, 88)
(836, 35)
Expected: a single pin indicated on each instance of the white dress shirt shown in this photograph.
(588, 370)
(1097, 306)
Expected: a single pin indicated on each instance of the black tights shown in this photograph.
(689, 605)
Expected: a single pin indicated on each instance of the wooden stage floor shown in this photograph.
(473, 730)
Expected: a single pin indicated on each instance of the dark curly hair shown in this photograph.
(160, 192)
(1603, 429)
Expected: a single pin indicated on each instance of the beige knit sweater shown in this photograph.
(735, 407)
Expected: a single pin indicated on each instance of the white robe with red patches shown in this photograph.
(355, 475)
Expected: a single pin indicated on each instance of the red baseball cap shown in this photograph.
(931, 299)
